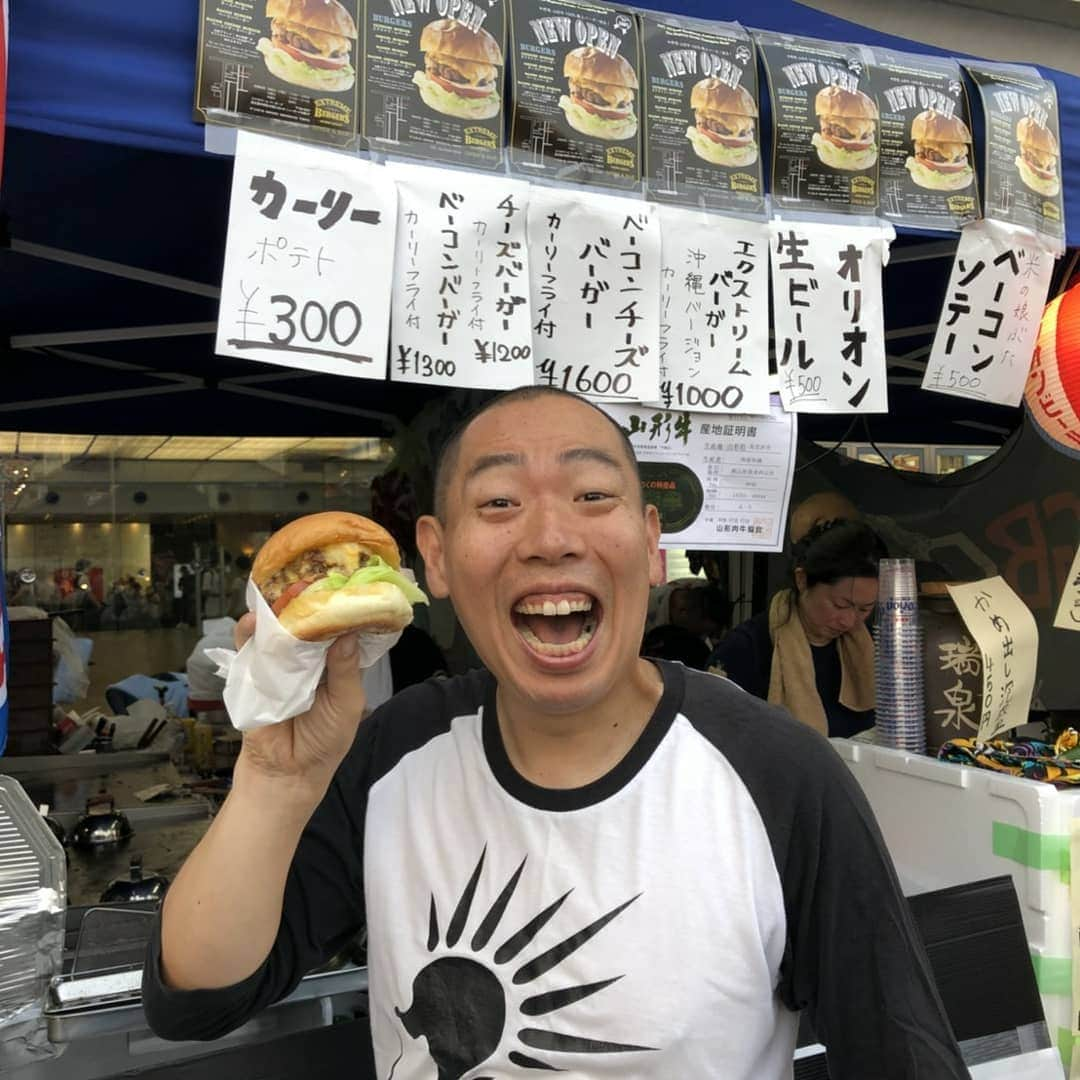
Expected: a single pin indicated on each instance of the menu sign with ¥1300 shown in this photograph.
(702, 122)
(576, 86)
(826, 135)
(261, 67)
(1023, 148)
(927, 158)
(433, 79)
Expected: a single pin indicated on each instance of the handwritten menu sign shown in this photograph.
(309, 259)
(714, 313)
(700, 103)
(826, 136)
(993, 306)
(433, 79)
(828, 316)
(927, 158)
(261, 67)
(461, 311)
(1067, 616)
(1005, 631)
(720, 483)
(1023, 148)
(576, 107)
(595, 279)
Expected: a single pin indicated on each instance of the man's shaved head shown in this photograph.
(446, 465)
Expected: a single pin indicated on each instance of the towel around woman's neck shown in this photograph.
(792, 683)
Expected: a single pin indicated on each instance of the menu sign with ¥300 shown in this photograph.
(309, 259)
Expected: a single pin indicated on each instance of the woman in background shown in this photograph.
(811, 651)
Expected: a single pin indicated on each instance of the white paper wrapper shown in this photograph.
(275, 675)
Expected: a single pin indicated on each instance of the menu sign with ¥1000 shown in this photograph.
(309, 259)
(261, 69)
(433, 79)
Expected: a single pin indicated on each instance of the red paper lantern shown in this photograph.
(1052, 394)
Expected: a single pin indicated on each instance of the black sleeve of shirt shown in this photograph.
(853, 958)
(324, 892)
(745, 656)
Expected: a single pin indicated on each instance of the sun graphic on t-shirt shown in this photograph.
(459, 1005)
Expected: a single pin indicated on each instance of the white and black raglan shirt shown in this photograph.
(666, 921)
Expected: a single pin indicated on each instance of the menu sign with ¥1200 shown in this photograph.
(433, 79)
(1023, 148)
(262, 67)
(826, 125)
(927, 158)
(702, 122)
(576, 92)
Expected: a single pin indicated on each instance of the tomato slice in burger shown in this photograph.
(734, 141)
(946, 167)
(328, 62)
(604, 114)
(460, 88)
(850, 144)
(294, 590)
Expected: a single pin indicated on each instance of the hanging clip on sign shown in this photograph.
(828, 317)
(995, 298)
(309, 259)
(461, 308)
(595, 277)
(714, 313)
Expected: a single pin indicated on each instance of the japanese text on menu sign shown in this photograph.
(718, 483)
(828, 317)
(1067, 616)
(1005, 631)
(309, 259)
(993, 306)
(461, 308)
(595, 278)
(714, 313)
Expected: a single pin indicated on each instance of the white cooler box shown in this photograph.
(947, 824)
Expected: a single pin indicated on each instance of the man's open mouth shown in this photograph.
(556, 624)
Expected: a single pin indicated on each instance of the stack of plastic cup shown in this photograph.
(898, 658)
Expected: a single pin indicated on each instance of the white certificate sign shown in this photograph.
(595, 274)
(1068, 612)
(1005, 631)
(993, 306)
(828, 317)
(309, 259)
(714, 313)
(720, 483)
(461, 298)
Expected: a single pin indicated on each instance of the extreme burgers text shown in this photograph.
(463, 11)
(808, 73)
(553, 29)
(694, 62)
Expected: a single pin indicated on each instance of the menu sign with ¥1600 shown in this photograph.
(826, 137)
(576, 92)
(1023, 148)
(433, 79)
(260, 68)
(927, 158)
(702, 121)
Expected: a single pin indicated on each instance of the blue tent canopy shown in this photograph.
(104, 163)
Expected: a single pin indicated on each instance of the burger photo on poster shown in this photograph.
(310, 44)
(1037, 161)
(601, 98)
(326, 574)
(461, 70)
(725, 123)
(847, 139)
(941, 144)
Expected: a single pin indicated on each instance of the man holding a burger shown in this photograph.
(577, 860)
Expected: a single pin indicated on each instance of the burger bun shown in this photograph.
(934, 180)
(718, 154)
(596, 126)
(324, 614)
(846, 160)
(451, 104)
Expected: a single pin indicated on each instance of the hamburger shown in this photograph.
(461, 70)
(310, 44)
(940, 161)
(724, 123)
(326, 574)
(1037, 161)
(848, 129)
(601, 98)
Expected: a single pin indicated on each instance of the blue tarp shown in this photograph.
(122, 71)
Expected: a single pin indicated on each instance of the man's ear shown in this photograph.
(429, 540)
(800, 580)
(652, 529)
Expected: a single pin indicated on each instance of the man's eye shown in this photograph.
(499, 503)
(594, 496)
